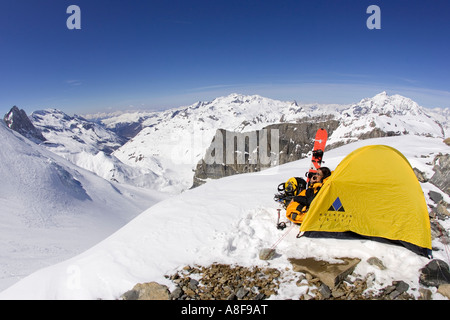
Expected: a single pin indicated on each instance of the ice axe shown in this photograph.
(280, 225)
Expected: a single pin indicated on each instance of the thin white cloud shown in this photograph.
(73, 82)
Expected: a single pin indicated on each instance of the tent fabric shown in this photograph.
(373, 193)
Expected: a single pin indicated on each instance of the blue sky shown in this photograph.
(147, 54)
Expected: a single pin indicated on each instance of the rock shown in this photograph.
(147, 291)
(176, 294)
(337, 293)
(330, 274)
(193, 284)
(389, 289)
(231, 297)
(441, 210)
(325, 291)
(374, 261)
(447, 141)
(266, 253)
(425, 294)
(259, 296)
(399, 288)
(435, 273)
(441, 177)
(420, 175)
(435, 196)
(444, 289)
(241, 293)
(17, 120)
(438, 231)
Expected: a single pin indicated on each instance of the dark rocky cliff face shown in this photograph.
(233, 153)
(17, 120)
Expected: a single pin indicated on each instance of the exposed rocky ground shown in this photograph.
(232, 282)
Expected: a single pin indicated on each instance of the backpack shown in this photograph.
(297, 209)
(289, 189)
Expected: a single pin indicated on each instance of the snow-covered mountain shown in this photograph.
(89, 145)
(395, 115)
(52, 209)
(174, 141)
(166, 146)
(125, 123)
(229, 221)
(73, 134)
(17, 120)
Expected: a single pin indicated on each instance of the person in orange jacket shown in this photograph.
(299, 205)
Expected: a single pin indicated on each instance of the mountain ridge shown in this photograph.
(188, 131)
(162, 150)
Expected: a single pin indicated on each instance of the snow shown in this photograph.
(228, 221)
(52, 210)
(88, 145)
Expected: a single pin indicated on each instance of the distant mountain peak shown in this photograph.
(74, 132)
(17, 120)
(382, 94)
(384, 104)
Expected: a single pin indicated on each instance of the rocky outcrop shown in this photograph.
(225, 282)
(234, 282)
(441, 177)
(257, 149)
(315, 280)
(295, 141)
(17, 120)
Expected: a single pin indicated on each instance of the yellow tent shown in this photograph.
(372, 193)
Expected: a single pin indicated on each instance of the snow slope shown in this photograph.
(51, 210)
(228, 221)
